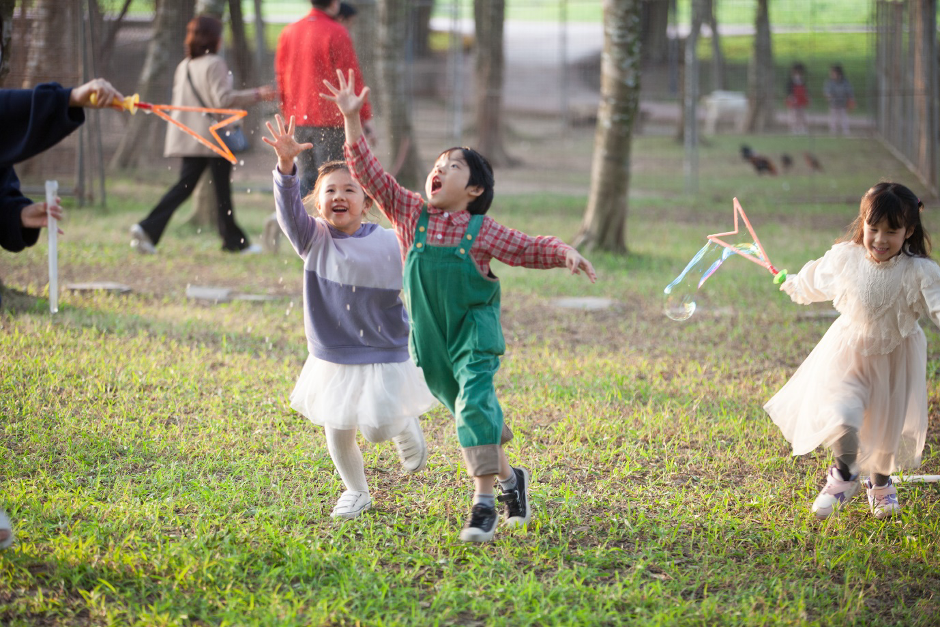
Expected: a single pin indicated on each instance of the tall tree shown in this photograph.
(104, 34)
(393, 18)
(6, 36)
(488, 27)
(655, 20)
(143, 136)
(761, 75)
(718, 59)
(51, 53)
(604, 226)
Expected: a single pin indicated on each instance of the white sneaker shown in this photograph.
(413, 451)
(253, 249)
(6, 530)
(883, 500)
(141, 241)
(352, 503)
(835, 494)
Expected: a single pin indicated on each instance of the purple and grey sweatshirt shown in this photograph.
(352, 310)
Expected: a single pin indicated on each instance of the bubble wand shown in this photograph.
(679, 295)
(52, 228)
(761, 258)
(133, 103)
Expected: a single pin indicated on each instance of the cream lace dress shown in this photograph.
(868, 371)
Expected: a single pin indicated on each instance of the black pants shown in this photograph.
(233, 239)
(328, 146)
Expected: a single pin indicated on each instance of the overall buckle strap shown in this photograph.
(467, 240)
(421, 231)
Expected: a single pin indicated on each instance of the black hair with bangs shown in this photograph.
(900, 207)
(481, 175)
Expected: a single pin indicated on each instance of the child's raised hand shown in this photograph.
(345, 96)
(575, 262)
(284, 144)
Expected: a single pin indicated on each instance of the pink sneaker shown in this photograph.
(883, 500)
(835, 494)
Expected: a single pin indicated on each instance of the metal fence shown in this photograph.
(906, 71)
(553, 58)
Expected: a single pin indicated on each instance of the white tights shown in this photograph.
(345, 453)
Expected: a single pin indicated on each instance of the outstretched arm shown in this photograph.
(349, 103)
(284, 144)
(575, 262)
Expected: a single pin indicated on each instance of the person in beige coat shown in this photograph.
(202, 79)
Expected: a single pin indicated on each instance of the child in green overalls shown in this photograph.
(453, 299)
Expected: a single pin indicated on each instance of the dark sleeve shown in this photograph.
(13, 236)
(34, 120)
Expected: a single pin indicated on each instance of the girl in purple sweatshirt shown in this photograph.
(358, 374)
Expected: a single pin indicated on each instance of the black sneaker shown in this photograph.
(518, 510)
(481, 524)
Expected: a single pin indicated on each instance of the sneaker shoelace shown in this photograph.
(514, 504)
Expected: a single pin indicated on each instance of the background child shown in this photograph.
(358, 373)
(798, 99)
(453, 299)
(839, 94)
(862, 389)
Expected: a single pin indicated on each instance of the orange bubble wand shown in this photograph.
(133, 103)
(762, 258)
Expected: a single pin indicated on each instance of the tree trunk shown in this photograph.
(107, 34)
(690, 73)
(364, 31)
(393, 17)
(488, 27)
(718, 60)
(244, 75)
(6, 36)
(51, 45)
(761, 75)
(604, 226)
(142, 139)
(655, 17)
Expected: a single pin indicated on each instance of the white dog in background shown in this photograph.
(725, 105)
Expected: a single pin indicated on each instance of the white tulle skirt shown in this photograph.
(379, 397)
(837, 389)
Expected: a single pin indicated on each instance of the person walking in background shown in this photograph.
(202, 79)
(310, 51)
(358, 374)
(861, 391)
(839, 94)
(798, 99)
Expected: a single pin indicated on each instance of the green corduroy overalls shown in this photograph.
(456, 339)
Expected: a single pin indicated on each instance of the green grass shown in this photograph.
(157, 476)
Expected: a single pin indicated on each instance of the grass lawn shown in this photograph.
(157, 476)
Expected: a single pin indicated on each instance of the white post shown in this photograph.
(52, 189)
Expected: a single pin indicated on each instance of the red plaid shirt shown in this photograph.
(403, 207)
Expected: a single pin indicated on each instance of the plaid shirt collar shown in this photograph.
(458, 218)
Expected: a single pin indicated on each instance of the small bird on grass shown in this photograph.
(813, 162)
(786, 162)
(760, 163)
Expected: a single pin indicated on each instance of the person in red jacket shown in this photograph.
(309, 52)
